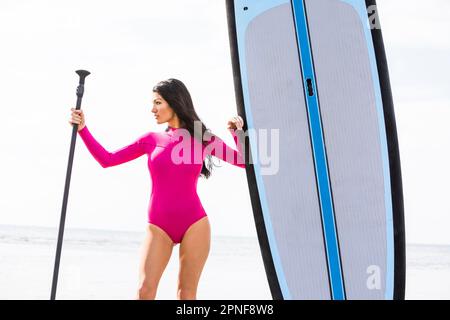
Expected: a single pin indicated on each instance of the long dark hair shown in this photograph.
(179, 99)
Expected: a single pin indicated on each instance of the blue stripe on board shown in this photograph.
(320, 161)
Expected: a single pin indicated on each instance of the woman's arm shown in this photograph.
(221, 150)
(109, 159)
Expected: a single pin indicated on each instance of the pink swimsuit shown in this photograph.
(175, 164)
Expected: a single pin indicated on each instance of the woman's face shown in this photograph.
(161, 109)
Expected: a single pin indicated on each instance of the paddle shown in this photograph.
(80, 91)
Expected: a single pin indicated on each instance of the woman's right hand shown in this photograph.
(77, 117)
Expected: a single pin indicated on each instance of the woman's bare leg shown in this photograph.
(194, 250)
(156, 252)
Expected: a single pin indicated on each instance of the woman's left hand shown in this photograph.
(235, 123)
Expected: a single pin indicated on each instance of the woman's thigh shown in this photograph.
(155, 255)
(194, 250)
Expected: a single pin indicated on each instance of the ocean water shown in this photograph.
(99, 264)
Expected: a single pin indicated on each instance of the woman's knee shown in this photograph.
(186, 293)
(147, 290)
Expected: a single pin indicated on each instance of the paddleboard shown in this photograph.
(312, 84)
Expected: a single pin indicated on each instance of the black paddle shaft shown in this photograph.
(80, 91)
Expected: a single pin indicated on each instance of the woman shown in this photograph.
(175, 213)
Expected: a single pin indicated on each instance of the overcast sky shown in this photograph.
(128, 47)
